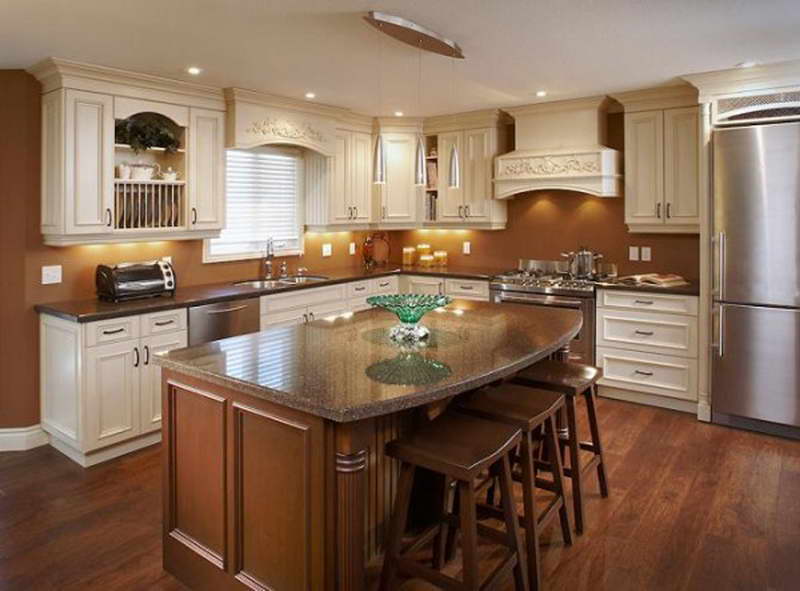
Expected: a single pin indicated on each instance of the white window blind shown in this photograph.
(264, 200)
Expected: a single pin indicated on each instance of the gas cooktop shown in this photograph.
(547, 277)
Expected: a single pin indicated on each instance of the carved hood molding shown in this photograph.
(559, 146)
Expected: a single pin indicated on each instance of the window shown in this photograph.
(264, 197)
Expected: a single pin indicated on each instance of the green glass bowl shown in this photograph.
(409, 307)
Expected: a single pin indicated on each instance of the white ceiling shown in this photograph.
(571, 48)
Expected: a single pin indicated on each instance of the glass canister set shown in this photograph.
(423, 256)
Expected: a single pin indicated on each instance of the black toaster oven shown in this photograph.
(128, 281)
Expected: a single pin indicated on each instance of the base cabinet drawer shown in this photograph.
(663, 375)
(385, 285)
(463, 288)
(668, 334)
(303, 298)
(647, 302)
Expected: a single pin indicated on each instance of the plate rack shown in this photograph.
(150, 204)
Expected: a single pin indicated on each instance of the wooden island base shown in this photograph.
(261, 496)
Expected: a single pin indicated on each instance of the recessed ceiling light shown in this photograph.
(194, 70)
(748, 64)
(541, 93)
(310, 95)
(398, 113)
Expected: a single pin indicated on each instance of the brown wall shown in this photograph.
(22, 253)
(543, 224)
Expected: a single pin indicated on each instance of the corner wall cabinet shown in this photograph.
(662, 162)
(90, 193)
(100, 391)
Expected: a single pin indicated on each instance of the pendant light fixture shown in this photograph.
(420, 164)
(379, 157)
(454, 172)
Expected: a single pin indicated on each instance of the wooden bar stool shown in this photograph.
(573, 380)
(459, 447)
(534, 412)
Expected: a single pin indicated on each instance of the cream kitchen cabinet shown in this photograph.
(359, 291)
(468, 289)
(647, 345)
(83, 201)
(423, 284)
(307, 305)
(662, 181)
(399, 199)
(100, 391)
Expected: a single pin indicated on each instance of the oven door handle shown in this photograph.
(542, 300)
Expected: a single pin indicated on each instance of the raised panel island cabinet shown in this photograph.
(274, 471)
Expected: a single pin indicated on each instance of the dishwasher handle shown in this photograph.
(227, 310)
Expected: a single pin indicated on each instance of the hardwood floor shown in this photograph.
(693, 506)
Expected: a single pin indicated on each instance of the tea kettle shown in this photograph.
(582, 262)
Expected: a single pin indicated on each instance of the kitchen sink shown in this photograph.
(262, 283)
(295, 279)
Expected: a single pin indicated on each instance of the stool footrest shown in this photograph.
(419, 570)
(426, 536)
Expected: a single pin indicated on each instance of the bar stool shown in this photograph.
(534, 412)
(459, 447)
(573, 380)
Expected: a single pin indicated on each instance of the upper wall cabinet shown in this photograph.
(100, 185)
(473, 140)
(398, 199)
(662, 160)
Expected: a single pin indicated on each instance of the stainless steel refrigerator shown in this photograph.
(756, 316)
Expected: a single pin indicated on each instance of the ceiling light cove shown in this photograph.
(310, 95)
(194, 70)
(541, 93)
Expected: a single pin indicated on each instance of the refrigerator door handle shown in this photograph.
(717, 343)
(720, 263)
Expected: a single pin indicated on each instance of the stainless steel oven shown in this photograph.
(581, 348)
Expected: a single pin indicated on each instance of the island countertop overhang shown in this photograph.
(325, 368)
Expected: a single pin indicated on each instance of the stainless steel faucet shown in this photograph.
(268, 256)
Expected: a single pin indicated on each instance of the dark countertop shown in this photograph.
(693, 289)
(346, 368)
(94, 309)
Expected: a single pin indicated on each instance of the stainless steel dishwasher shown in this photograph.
(210, 322)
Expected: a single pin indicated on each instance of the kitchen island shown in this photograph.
(274, 471)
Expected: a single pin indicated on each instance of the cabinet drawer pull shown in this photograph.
(669, 212)
(109, 217)
(644, 333)
(658, 210)
(383, 284)
(136, 353)
(643, 373)
(164, 322)
(115, 331)
(644, 302)
(466, 287)
(305, 318)
(362, 288)
(466, 211)
(146, 355)
(311, 315)
(355, 215)
(194, 215)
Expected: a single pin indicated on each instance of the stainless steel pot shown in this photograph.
(582, 263)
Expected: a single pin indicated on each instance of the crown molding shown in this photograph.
(738, 81)
(397, 125)
(661, 97)
(56, 73)
(591, 102)
(470, 120)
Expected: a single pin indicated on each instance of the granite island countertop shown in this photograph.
(345, 368)
(90, 310)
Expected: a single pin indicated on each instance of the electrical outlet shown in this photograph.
(51, 274)
(633, 253)
(467, 247)
(167, 259)
(327, 249)
(647, 255)
(352, 248)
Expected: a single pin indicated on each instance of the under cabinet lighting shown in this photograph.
(398, 113)
(310, 95)
(541, 93)
(194, 70)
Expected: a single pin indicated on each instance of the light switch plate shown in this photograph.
(327, 249)
(633, 253)
(352, 248)
(647, 255)
(467, 247)
(51, 274)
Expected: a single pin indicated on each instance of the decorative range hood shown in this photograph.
(559, 145)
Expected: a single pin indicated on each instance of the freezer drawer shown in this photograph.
(756, 363)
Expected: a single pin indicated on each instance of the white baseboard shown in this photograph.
(107, 453)
(22, 438)
(648, 399)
